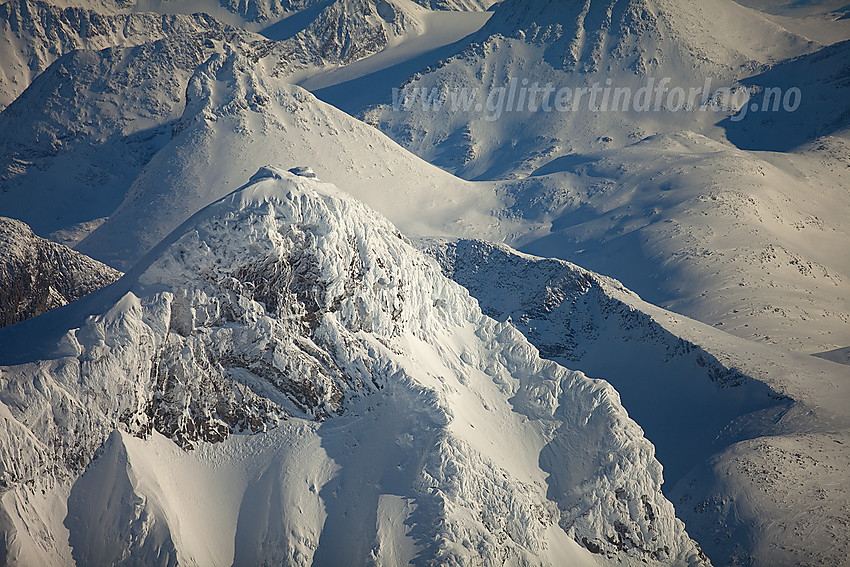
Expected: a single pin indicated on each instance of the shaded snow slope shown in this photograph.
(753, 440)
(288, 305)
(824, 107)
(37, 275)
(437, 36)
(839, 355)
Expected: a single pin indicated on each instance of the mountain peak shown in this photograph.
(289, 302)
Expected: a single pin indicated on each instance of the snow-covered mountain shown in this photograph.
(189, 117)
(576, 45)
(282, 371)
(33, 34)
(84, 165)
(726, 416)
(348, 30)
(235, 119)
(735, 239)
(315, 34)
(694, 237)
(78, 136)
(37, 275)
(291, 322)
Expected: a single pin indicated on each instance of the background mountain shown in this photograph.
(574, 45)
(36, 33)
(234, 119)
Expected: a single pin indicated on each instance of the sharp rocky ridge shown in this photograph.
(37, 275)
(289, 302)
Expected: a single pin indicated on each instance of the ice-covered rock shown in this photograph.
(289, 302)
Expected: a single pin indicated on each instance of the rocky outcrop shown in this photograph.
(37, 275)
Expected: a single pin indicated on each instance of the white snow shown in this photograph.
(726, 415)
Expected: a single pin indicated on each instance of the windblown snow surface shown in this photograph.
(340, 402)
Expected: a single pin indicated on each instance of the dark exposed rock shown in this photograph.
(37, 275)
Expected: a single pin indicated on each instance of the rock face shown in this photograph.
(37, 275)
(288, 302)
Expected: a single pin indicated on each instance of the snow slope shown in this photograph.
(749, 242)
(752, 439)
(111, 126)
(574, 45)
(77, 137)
(37, 275)
(388, 411)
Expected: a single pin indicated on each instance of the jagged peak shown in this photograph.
(289, 299)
